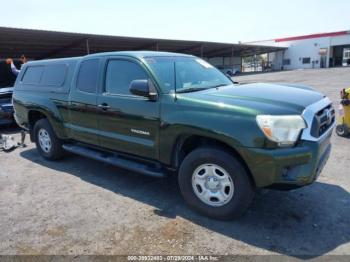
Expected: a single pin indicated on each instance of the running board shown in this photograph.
(114, 159)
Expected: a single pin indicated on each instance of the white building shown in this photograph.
(310, 51)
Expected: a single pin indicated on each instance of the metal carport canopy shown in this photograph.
(40, 44)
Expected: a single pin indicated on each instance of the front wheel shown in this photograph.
(215, 183)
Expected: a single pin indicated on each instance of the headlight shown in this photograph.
(284, 130)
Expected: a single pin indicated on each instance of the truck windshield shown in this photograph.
(189, 74)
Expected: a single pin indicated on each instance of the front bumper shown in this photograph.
(291, 167)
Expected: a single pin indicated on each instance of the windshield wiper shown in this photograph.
(194, 89)
(217, 86)
(191, 89)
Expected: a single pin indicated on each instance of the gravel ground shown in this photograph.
(80, 206)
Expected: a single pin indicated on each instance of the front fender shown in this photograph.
(235, 129)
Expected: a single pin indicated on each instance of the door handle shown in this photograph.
(103, 106)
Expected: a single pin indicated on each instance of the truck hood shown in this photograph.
(262, 98)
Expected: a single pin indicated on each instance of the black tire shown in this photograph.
(55, 151)
(243, 193)
(342, 130)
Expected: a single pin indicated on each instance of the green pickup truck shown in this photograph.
(161, 114)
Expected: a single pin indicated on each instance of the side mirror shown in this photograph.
(143, 87)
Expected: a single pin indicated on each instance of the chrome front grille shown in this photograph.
(320, 120)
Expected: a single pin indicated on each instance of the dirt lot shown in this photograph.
(79, 206)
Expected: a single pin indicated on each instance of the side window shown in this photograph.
(119, 75)
(54, 75)
(286, 61)
(87, 76)
(306, 60)
(32, 75)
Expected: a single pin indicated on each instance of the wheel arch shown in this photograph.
(36, 114)
(187, 143)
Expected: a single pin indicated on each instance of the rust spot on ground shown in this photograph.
(173, 237)
(56, 231)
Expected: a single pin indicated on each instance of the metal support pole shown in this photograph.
(241, 66)
(232, 54)
(87, 47)
(157, 46)
(255, 62)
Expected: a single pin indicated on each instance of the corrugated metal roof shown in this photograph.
(40, 44)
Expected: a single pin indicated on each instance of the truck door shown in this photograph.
(82, 124)
(127, 123)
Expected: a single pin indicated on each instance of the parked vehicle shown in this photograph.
(163, 113)
(229, 71)
(7, 80)
(6, 108)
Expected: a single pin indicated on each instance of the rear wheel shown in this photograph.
(215, 183)
(47, 143)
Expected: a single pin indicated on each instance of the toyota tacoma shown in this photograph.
(161, 113)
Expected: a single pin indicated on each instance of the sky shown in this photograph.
(204, 20)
